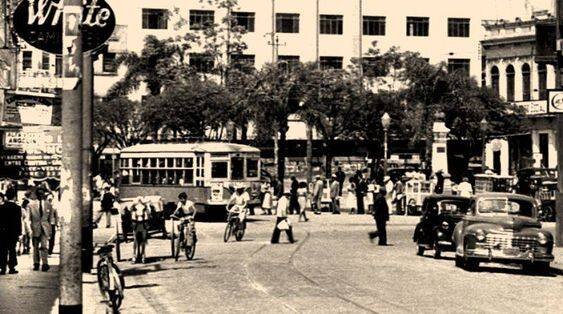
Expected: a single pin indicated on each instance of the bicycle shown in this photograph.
(110, 278)
(186, 239)
(234, 226)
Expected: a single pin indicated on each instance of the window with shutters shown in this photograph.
(287, 23)
(245, 20)
(331, 24)
(417, 26)
(374, 25)
(328, 63)
(155, 19)
(201, 19)
(458, 27)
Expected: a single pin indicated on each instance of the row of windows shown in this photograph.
(526, 81)
(289, 23)
(108, 62)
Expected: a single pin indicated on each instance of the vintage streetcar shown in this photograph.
(503, 228)
(206, 171)
(440, 214)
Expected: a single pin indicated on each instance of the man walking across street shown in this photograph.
(10, 230)
(381, 216)
(293, 203)
(41, 216)
(282, 223)
(334, 194)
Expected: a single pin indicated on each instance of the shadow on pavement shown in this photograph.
(149, 285)
(553, 272)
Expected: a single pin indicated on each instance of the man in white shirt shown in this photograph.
(281, 222)
(465, 188)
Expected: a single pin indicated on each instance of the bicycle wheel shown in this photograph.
(190, 251)
(103, 278)
(239, 233)
(228, 231)
(116, 295)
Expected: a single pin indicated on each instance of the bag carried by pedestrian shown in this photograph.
(284, 225)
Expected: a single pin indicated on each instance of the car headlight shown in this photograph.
(542, 239)
(480, 235)
(445, 225)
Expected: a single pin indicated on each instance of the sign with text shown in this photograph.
(39, 23)
(555, 101)
(533, 107)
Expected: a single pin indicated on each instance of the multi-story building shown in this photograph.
(520, 75)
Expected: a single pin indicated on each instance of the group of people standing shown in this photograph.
(33, 219)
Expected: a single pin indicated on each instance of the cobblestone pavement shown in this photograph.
(333, 267)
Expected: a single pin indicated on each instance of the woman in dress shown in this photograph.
(351, 197)
(302, 200)
(267, 201)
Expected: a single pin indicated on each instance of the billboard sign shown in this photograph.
(39, 23)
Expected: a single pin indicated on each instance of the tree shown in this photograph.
(118, 122)
(275, 98)
(153, 66)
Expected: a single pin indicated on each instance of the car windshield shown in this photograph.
(504, 206)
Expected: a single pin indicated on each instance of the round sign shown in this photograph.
(557, 102)
(39, 23)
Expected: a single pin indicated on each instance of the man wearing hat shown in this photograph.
(381, 216)
(41, 215)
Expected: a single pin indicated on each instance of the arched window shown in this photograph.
(510, 83)
(542, 81)
(494, 80)
(526, 82)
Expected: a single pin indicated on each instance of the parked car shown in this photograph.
(503, 228)
(531, 179)
(440, 214)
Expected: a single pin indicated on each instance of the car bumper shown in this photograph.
(508, 255)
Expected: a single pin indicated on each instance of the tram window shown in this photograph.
(136, 176)
(219, 169)
(125, 179)
(145, 162)
(162, 177)
(252, 168)
(178, 163)
(237, 168)
(161, 163)
(136, 163)
(145, 177)
(170, 162)
(189, 176)
(153, 162)
(188, 162)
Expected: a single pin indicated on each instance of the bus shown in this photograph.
(207, 171)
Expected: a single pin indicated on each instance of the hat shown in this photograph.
(239, 186)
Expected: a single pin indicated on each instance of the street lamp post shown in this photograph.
(385, 122)
(484, 126)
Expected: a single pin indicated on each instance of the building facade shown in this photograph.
(513, 67)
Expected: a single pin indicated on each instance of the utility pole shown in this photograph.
(87, 116)
(273, 33)
(70, 212)
(559, 199)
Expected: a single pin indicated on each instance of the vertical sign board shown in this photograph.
(555, 105)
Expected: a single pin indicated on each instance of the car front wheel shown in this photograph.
(459, 261)
(537, 268)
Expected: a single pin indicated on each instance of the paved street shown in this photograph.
(332, 268)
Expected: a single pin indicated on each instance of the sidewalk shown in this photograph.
(30, 291)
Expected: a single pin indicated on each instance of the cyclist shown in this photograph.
(186, 211)
(239, 202)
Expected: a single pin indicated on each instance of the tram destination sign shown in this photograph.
(39, 23)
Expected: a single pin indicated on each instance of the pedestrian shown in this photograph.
(351, 195)
(368, 199)
(361, 188)
(267, 201)
(25, 241)
(10, 231)
(140, 215)
(334, 194)
(439, 189)
(302, 193)
(379, 173)
(399, 189)
(282, 222)
(317, 195)
(41, 216)
(381, 216)
(465, 188)
(106, 206)
(54, 223)
(293, 203)
(340, 177)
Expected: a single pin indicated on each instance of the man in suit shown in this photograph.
(334, 193)
(11, 229)
(42, 217)
(381, 216)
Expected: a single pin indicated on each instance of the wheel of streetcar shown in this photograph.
(420, 250)
(227, 233)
